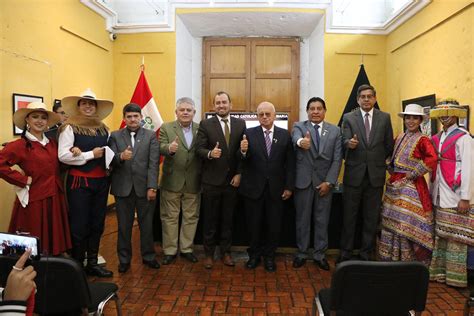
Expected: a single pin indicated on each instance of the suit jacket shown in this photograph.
(182, 170)
(312, 166)
(371, 155)
(139, 173)
(219, 172)
(258, 168)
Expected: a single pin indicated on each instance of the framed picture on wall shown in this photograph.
(428, 126)
(464, 122)
(21, 101)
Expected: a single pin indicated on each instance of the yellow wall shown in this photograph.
(32, 29)
(433, 53)
(159, 53)
(342, 59)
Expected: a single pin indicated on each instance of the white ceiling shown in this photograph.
(238, 24)
(342, 16)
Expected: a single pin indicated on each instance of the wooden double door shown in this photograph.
(253, 70)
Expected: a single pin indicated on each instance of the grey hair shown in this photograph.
(185, 100)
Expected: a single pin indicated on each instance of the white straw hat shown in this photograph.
(20, 115)
(412, 109)
(70, 104)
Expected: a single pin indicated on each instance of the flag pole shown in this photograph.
(142, 66)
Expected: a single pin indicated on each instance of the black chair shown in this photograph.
(63, 289)
(374, 288)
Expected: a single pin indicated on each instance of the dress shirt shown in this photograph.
(188, 134)
(65, 143)
(371, 115)
(271, 132)
(448, 198)
(223, 124)
(319, 130)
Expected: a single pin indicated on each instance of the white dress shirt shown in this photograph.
(223, 124)
(371, 115)
(447, 197)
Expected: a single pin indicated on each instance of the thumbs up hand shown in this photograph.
(126, 154)
(216, 152)
(353, 142)
(305, 142)
(244, 144)
(173, 147)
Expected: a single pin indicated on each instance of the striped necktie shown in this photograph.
(268, 141)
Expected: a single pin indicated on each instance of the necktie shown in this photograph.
(316, 127)
(132, 138)
(367, 127)
(268, 141)
(226, 130)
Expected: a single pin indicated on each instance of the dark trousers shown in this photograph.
(264, 224)
(125, 217)
(87, 200)
(218, 204)
(369, 200)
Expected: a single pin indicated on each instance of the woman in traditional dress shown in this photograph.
(40, 209)
(82, 139)
(407, 218)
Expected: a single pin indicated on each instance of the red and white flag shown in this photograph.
(143, 97)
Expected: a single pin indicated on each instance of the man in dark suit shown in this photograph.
(368, 139)
(318, 162)
(134, 184)
(217, 143)
(267, 180)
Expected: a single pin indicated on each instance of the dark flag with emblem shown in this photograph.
(352, 104)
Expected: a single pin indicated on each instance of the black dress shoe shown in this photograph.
(189, 256)
(123, 267)
(152, 264)
(168, 259)
(98, 271)
(270, 265)
(322, 264)
(252, 263)
(298, 262)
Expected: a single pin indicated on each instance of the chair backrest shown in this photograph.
(379, 288)
(61, 285)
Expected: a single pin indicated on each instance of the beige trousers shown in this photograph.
(171, 205)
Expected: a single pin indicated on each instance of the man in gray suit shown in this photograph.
(134, 184)
(180, 187)
(318, 162)
(368, 139)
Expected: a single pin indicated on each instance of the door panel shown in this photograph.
(252, 70)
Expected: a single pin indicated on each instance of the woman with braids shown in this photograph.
(407, 217)
(40, 209)
(81, 146)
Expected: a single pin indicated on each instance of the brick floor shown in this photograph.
(183, 288)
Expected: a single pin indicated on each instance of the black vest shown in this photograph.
(87, 143)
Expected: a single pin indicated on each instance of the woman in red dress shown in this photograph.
(40, 208)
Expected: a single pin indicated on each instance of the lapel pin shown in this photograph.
(275, 140)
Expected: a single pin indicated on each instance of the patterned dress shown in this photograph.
(407, 218)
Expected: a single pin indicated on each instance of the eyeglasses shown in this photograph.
(262, 114)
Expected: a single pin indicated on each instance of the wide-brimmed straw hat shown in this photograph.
(20, 115)
(412, 109)
(448, 107)
(70, 104)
